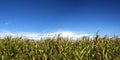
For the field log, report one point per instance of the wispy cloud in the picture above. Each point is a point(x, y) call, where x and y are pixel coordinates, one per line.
point(7, 23)
point(37, 36)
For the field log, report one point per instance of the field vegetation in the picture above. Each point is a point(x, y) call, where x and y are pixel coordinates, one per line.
point(59, 48)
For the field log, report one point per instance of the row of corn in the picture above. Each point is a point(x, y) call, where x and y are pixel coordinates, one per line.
point(59, 48)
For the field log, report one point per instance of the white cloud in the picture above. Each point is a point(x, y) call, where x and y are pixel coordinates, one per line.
point(37, 36)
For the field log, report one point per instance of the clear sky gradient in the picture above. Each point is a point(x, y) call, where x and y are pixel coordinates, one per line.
point(51, 15)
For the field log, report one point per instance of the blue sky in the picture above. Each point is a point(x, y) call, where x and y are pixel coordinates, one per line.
point(38, 16)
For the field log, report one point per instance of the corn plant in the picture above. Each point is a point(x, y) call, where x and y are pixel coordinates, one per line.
point(59, 48)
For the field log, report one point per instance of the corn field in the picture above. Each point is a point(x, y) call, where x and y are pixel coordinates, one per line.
point(59, 48)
